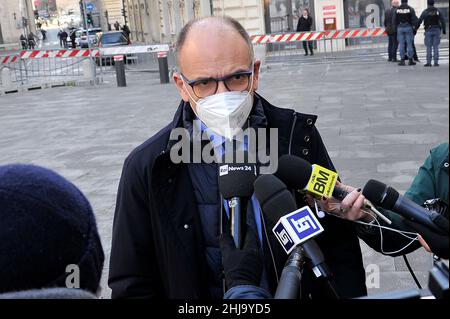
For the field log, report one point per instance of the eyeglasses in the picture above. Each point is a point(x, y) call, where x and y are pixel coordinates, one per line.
point(205, 87)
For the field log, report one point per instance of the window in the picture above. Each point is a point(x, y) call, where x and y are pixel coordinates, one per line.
point(112, 38)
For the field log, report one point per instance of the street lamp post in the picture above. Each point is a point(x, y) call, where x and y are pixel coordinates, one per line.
point(290, 16)
point(87, 35)
point(267, 16)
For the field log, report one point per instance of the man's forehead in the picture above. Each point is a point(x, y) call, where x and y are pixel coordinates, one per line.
point(208, 53)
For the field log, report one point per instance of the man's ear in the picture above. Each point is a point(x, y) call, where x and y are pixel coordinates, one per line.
point(180, 86)
point(256, 69)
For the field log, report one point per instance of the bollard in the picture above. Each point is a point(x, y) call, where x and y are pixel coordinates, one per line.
point(120, 71)
point(5, 77)
point(163, 67)
point(89, 71)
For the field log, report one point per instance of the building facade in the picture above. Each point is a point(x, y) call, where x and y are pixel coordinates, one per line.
point(159, 21)
point(16, 18)
point(113, 12)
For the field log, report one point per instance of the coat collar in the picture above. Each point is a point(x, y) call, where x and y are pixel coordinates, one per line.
point(264, 114)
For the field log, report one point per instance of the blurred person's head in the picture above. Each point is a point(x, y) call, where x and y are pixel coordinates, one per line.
point(395, 3)
point(404, 1)
point(48, 232)
point(306, 13)
point(430, 2)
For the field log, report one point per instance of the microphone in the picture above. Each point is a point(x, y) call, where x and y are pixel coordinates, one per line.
point(314, 179)
point(294, 229)
point(388, 198)
point(236, 186)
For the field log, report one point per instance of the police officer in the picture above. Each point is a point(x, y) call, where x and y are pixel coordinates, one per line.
point(434, 21)
point(404, 19)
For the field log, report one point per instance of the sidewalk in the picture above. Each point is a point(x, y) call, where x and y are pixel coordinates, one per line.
point(377, 120)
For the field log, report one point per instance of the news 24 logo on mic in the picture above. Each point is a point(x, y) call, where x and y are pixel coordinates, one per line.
point(223, 170)
point(296, 228)
point(322, 181)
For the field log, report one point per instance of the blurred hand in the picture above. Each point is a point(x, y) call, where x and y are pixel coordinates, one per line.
point(424, 244)
point(432, 241)
point(241, 266)
point(351, 207)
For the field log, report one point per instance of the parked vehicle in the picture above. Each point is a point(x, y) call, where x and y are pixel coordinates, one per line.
point(112, 39)
point(89, 35)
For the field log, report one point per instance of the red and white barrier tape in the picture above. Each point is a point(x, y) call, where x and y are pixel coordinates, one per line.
point(43, 54)
point(286, 37)
point(9, 59)
point(38, 54)
point(355, 33)
point(318, 35)
point(84, 53)
point(256, 39)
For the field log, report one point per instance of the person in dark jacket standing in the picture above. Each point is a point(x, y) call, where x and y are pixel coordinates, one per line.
point(405, 19)
point(305, 24)
point(434, 22)
point(391, 31)
point(117, 25)
point(168, 215)
point(60, 37)
point(126, 32)
point(73, 37)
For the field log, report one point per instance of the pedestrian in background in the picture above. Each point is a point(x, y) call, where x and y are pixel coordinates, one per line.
point(31, 41)
point(23, 42)
point(391, 31)
point(434, 22)
point(60, 37)
point(64, 37)
point(44, 34)
point(404, 20)
point(117, 25)
point(73, 36)
point(126, 32)
point(305, 24)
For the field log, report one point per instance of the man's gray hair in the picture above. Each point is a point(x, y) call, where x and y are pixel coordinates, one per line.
point(182, 36)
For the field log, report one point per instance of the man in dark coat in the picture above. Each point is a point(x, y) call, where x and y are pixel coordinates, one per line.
point(305, 24)
point(391, 31)
point(167, 222)
point(126, 32)
point(73, 37)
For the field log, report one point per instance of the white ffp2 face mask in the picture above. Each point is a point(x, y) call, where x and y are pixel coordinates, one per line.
point(225, 113)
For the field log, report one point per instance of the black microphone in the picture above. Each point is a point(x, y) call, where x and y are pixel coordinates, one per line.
point(299, 174)
point(236, 186)
point(276, 202)
point(296, 173)
point(388, 198)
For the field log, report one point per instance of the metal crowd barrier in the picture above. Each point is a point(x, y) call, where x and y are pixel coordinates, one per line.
point(11, 70)
point(30, 67)
point(45, 66)
point(140, 58)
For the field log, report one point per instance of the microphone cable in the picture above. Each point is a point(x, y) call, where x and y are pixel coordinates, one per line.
point(413, 275)
point(380, 227)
